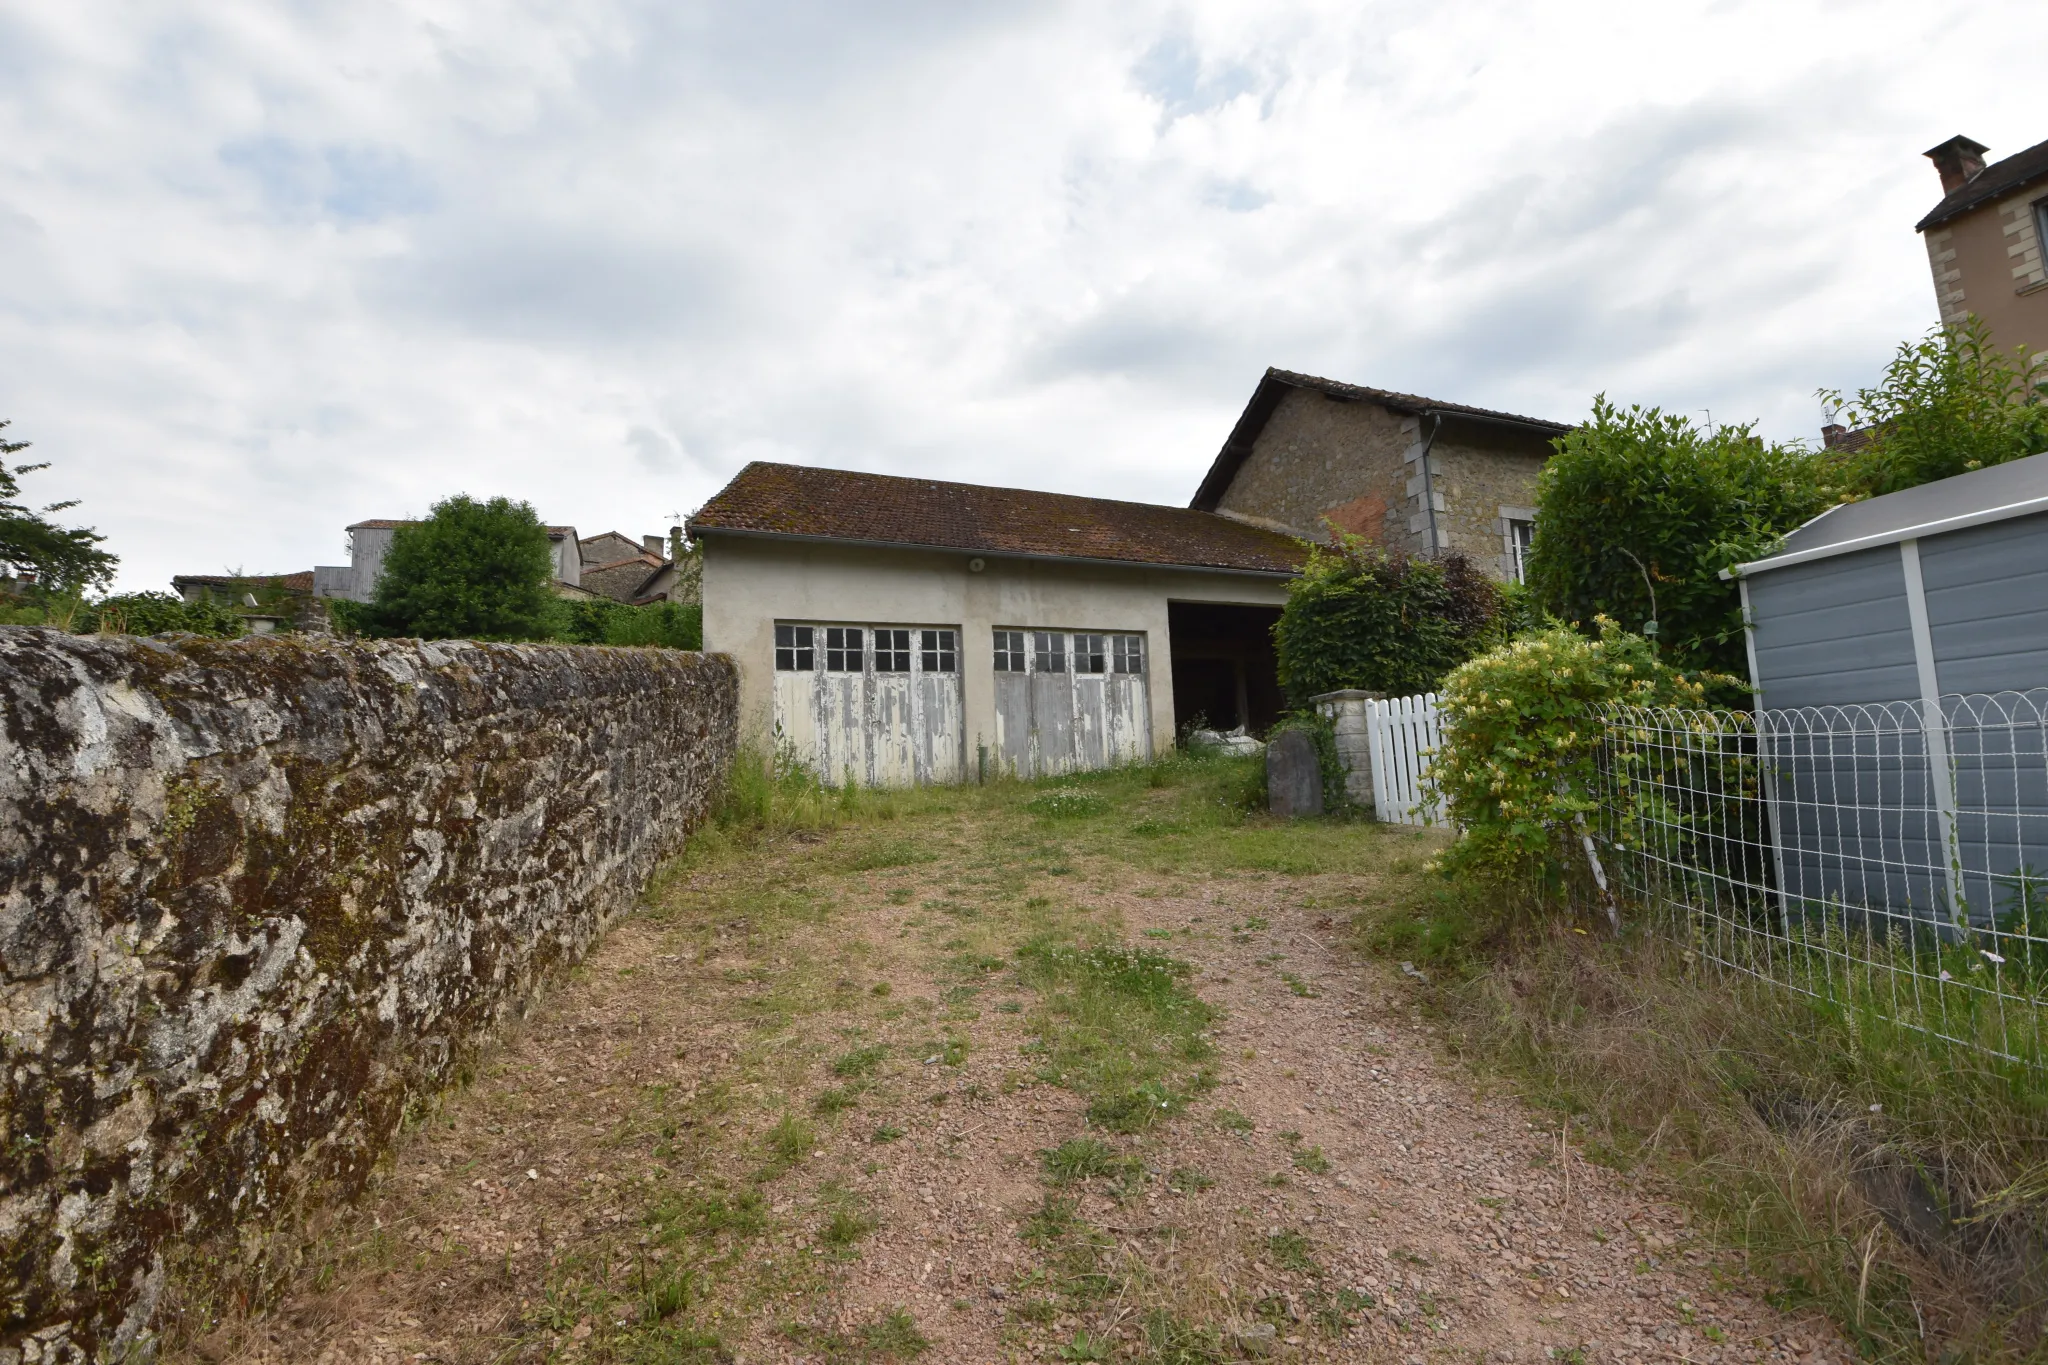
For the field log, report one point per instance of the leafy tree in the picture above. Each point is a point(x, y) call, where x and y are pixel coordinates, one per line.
point(1640, 510)
point(472, 570)
point(63, 559)
point(1949, 403)
point(1362, 616)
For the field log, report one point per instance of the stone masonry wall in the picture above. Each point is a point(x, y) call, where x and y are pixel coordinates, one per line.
point(257, 896)
point(1323, 461)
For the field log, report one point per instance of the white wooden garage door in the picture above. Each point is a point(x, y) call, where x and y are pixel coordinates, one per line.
point(1069, 700)
point(876, 705)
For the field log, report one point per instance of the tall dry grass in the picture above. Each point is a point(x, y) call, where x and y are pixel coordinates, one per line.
point(1898, 1183)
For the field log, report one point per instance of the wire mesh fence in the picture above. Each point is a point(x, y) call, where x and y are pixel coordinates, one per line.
point(1889, 859)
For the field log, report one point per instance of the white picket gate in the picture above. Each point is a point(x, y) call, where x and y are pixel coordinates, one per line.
point(1403, 734)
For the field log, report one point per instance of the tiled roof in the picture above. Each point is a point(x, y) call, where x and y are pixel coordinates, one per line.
point(2000, 177)
point(879, 509)
point(1274, 386)
point(290, 582)
point(622, 579)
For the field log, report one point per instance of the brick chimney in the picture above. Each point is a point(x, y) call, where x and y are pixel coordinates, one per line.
point(1959, 160)
point(1831, 435)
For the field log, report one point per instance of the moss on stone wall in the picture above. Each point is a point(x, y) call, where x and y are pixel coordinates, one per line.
point(257, 897)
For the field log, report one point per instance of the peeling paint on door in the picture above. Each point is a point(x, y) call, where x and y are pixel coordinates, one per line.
point(876, 706)
point(1070, 700)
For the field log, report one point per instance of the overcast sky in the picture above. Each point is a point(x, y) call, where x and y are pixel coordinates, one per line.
point(270, 268)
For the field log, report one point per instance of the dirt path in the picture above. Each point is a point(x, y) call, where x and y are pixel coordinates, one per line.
point(802, 1110)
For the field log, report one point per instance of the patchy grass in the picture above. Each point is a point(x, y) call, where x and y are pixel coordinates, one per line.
point(1120, 1026)
point(763, 1052)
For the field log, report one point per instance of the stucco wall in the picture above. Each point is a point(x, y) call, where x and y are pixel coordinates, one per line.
point(1323, 461)
point(256, 896)
point(752, 582)
point(1991, 262)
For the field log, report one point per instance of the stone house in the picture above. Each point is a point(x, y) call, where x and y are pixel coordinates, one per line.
point(640, 573)
point(1986, 241)
point(370, 541)
point(1312, 457)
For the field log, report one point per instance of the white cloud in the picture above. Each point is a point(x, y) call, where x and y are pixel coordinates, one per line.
point(270, 269)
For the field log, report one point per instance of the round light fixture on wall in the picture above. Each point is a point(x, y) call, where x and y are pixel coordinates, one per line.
point(976, 565)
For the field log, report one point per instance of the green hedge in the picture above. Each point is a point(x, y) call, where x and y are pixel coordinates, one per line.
point(1366, 617)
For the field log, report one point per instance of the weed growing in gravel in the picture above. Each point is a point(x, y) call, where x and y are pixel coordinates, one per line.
point(888, 1340)
point(1171, 1339)
point(828, 1104)
point(1230, 1121)
point(1312, 1160)
point(704, 1215)
point(1298, 986)
point(1082, 1159)
point(670, 1295)
point(1086, 1347)
point(669, 1345)
point(862, 1061)
point(846, 1226)
point(885, 1133)
point(1290, 1251)
point(1187, 1180)
point(787, 1144)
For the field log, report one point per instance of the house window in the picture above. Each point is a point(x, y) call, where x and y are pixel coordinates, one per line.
point(794, 651)
point(940, 655)
point(1009, 651)
point(1128, 653)
point(1050, 647)
point(842, 649)
point(1521, 535)
point(1089, 656)
point(2041, 233)
point(892, 651)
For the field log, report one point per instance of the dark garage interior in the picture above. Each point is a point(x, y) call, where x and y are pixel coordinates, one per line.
point(1224, 669)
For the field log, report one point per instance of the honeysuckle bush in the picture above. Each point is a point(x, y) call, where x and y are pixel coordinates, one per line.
point(1522, 735)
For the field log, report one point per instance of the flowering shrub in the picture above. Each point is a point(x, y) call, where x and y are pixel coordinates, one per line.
point(1522, 732)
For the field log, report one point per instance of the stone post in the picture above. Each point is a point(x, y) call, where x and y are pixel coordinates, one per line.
point(1294, 776)
point(1346, 713)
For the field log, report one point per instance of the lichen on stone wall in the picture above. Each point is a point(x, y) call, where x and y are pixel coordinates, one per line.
point(257, 896)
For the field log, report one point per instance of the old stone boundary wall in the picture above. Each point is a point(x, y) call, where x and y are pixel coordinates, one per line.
point(258, 896)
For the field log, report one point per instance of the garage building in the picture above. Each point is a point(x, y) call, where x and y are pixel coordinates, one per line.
point(896, 631)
